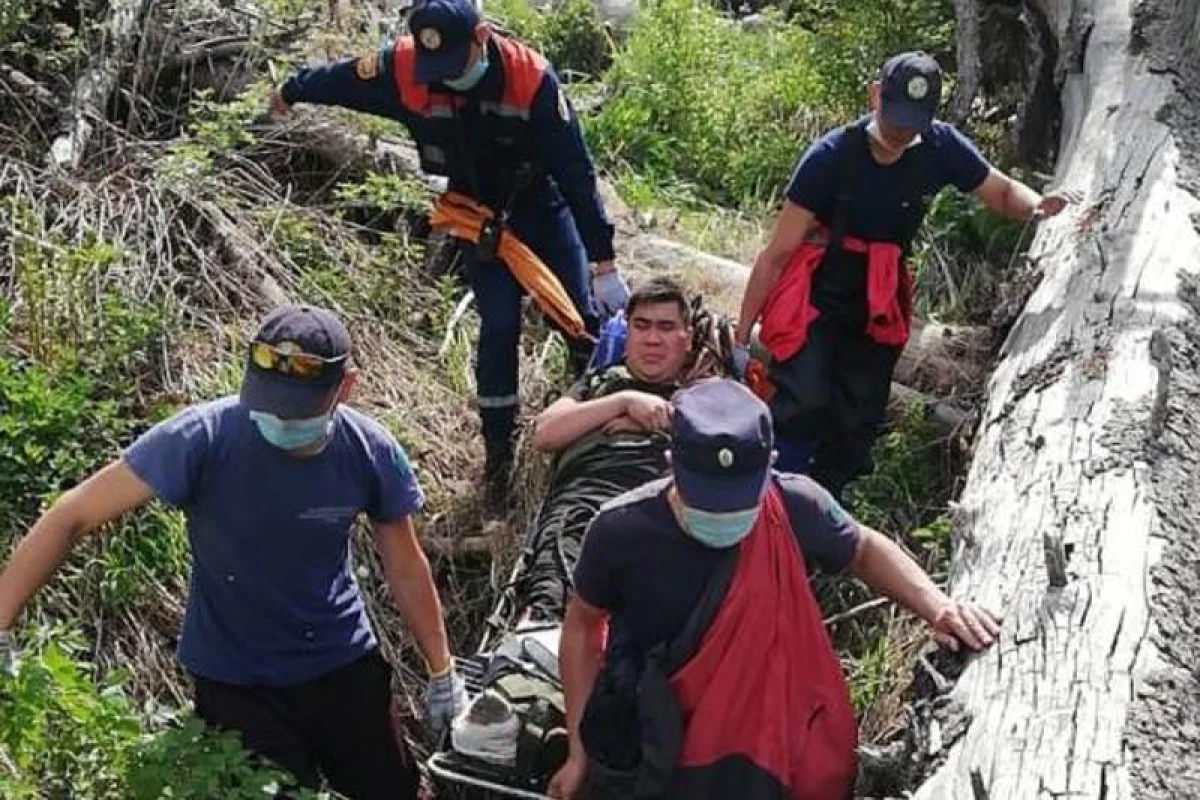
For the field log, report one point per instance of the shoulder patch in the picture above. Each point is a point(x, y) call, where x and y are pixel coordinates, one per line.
point(836, 514)
point(564, 109)
point(400, 459)
point(368, 65)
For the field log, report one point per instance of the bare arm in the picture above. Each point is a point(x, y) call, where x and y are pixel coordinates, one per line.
point(580, 651)
point(103, 497)
point(567, 420)
point(791, 226)
point(881, 564)
point(410, 580)
point(1007, 196)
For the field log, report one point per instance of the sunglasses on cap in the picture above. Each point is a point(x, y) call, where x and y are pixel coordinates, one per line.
point(298, 364)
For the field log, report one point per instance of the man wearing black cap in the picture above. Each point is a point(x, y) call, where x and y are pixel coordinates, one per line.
point(702, 580)
point(489, 113)
point(276, 633)
point(831, 287)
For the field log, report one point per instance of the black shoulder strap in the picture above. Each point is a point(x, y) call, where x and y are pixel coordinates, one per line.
point(849, 155)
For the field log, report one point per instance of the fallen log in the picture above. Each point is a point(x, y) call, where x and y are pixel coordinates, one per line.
point(942, 360)
point(1078, 516)
point(947, 419)
point(945, 360)
point(97, 83)
point(348, 150)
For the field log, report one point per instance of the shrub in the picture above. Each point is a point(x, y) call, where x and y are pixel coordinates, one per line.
point(65, 734)
point(696, 97)
point(571, 35)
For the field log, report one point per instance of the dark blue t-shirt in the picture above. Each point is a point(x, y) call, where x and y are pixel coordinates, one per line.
point(273, 600)
point(880, 193)
point(641, 567)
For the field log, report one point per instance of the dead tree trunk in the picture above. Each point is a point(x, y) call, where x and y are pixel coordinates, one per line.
point(1078, 517)
point(97, 82)
point(966, 40)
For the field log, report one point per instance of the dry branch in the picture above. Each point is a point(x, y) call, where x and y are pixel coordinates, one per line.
point(97, 83)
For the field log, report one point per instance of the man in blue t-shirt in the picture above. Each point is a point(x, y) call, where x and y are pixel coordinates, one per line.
point(276, 634)
point(835, 264)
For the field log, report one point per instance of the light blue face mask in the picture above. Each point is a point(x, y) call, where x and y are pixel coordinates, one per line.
point(472, 76)
point(292, 434)
point(718, 530)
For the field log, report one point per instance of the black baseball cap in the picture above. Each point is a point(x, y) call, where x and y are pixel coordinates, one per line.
point(297, 329)
point(911, 90)
point(443, 31)
point(721, 443)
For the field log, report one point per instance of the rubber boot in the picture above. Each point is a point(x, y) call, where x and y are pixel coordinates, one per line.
point(499, 427)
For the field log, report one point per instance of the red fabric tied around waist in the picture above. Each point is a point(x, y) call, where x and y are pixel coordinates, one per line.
point(765, 683)
point(789, 311)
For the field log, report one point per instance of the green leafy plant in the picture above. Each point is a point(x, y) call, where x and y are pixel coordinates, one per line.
point(695, 97)
point(52, 433)
point(387, 191)
point(906, 488)
point(570, 34)
point(63, 735)
point(66, 733)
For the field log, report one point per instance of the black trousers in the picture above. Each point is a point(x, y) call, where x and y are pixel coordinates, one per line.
point(831, 400)
point(339, 726)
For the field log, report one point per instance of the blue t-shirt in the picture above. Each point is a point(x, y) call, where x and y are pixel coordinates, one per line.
point(648, 573)
point(273, 600)
point(881, 193)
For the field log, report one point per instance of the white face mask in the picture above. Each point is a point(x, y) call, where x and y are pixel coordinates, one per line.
point(873, 132)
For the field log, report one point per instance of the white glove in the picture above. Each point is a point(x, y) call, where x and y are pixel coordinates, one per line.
point(610, 292)
point(445, 698)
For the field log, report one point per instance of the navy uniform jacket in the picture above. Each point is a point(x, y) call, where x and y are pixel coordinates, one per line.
point(518, 113)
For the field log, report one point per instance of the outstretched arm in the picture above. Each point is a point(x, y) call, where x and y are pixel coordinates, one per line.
point(104, 496)
point(362, 84)
point(1011, 198)
point(881, 564)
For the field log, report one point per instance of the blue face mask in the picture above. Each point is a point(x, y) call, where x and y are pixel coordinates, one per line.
point(472, 76)
point(292, 434)
point(718, 530)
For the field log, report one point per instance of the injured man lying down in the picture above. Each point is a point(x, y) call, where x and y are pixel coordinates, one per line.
point(608, 435)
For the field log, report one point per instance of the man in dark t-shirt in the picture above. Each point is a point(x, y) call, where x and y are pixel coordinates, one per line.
point(831, 287)
point(276, 634)
point(648, 557)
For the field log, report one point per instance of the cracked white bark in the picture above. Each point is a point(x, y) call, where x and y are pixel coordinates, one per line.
point(97, 82)
point(1074, 405)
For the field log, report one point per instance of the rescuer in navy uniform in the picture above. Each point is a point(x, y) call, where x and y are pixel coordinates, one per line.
point(489, 114)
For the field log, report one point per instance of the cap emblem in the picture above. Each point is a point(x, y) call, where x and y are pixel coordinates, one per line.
point(917, 87)
point(430, 38)
point(725, 457)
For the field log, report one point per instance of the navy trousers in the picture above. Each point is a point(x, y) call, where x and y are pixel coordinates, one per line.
point(551, 233)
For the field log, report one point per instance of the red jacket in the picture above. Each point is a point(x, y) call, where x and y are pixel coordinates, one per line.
point(789, 310)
